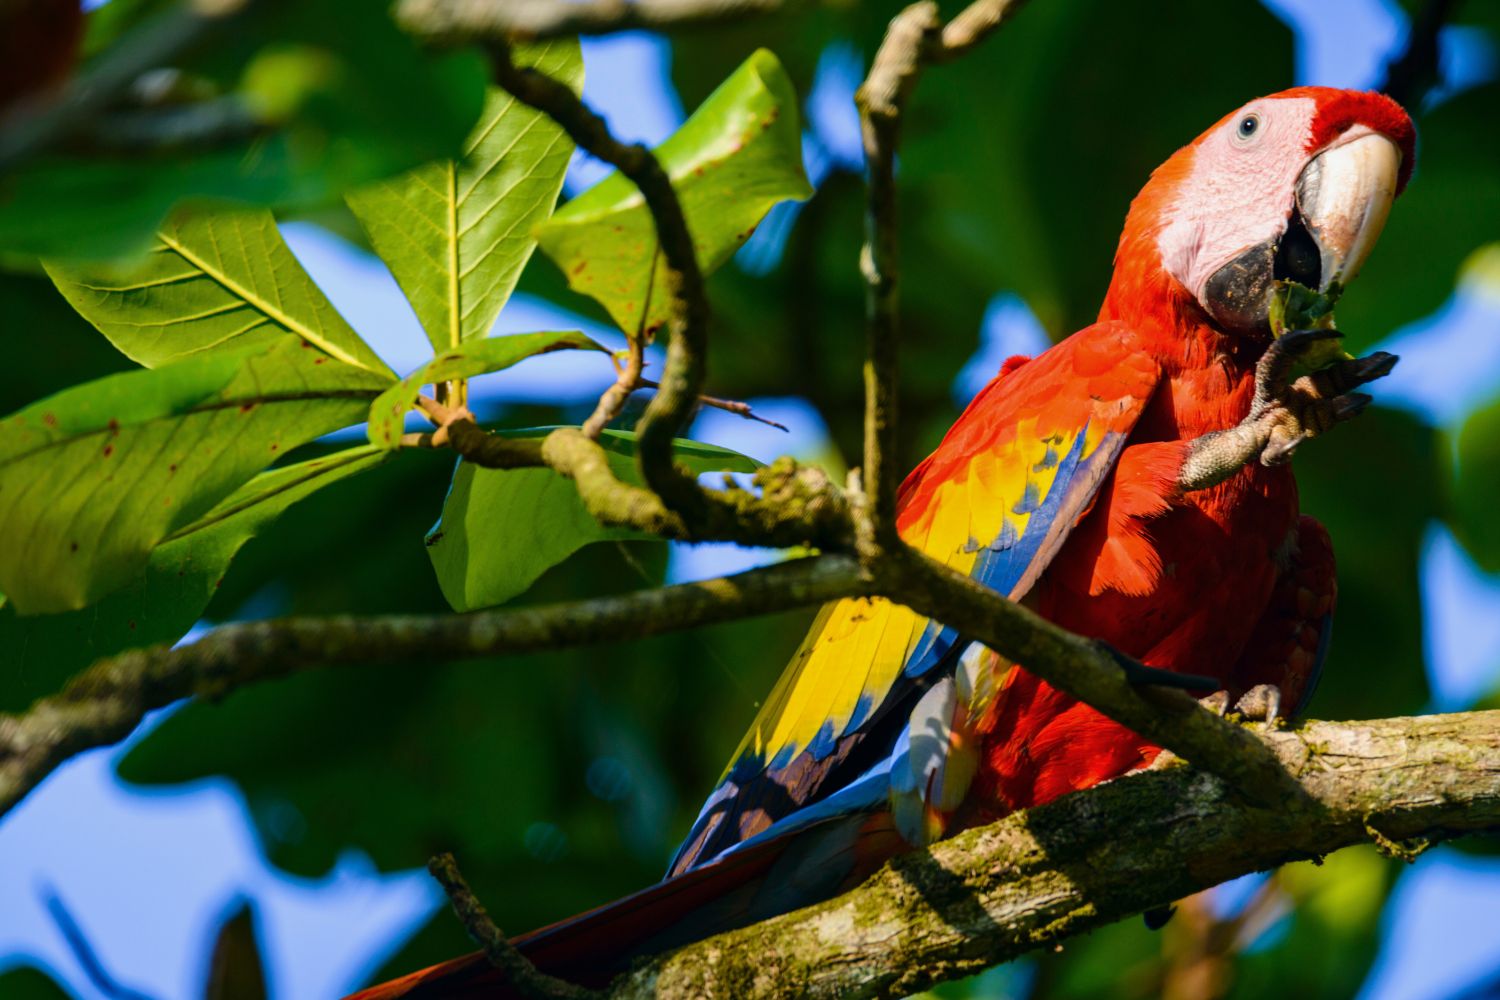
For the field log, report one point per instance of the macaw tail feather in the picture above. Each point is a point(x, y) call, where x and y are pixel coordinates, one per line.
point(740, 888)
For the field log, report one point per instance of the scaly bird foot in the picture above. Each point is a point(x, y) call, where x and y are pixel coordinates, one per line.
point(1261, 703)
point(1290, 412)
point(1217, 703)
point(1285, 412)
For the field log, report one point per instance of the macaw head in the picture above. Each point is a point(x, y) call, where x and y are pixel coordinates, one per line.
point(1295, 186)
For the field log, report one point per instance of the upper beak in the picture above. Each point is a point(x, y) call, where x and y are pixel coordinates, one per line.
point(1343, 197)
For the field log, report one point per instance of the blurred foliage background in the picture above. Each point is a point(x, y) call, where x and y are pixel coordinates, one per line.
point(564, 780)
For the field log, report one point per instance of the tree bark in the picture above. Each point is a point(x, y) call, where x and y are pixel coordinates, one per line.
point(1095, 857)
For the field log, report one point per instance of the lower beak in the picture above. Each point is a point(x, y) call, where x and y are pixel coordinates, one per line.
point(1343, 198)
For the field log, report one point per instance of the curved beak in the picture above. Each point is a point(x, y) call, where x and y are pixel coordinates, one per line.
point(1344, 196)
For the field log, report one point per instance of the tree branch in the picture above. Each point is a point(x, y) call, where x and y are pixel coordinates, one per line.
point(881, 99)
point(519, 973)
point(457, 21)
point(106, 702)
point(798, 506)
point(682, 379)
point(916, 36)
point(1088, 859)
point(1089, 671)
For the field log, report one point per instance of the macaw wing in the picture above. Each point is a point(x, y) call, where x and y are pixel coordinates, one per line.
point(995, 500)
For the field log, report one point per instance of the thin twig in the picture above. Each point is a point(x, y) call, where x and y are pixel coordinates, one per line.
point(881, 99)
point(916, 36)
point(682, 380)
point(973, 25)
point(738, 408)
point(517, 971)
point(627, 380)
point(457, 21)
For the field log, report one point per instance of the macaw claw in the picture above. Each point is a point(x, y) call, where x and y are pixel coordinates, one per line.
point(1261, 703)
point(1138, 673)
point(1287, 411)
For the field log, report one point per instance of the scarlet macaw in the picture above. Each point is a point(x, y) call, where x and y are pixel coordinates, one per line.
point(1130, 483)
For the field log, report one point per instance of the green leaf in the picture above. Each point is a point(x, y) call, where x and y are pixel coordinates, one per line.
point(162, 603)
point(501, 529)
point(92, 478)
point(214, 280)
point(388, 412)
point(457, 234)
point(739, 154)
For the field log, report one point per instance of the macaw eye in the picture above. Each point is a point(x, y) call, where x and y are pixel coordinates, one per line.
point(1248, 126)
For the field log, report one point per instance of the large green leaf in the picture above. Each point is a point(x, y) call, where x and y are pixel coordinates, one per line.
point(388, 413)
point(501, 529)
point(92, 478)
point(739, 154)
point(456, 234)
point(162, 603)
point(214, 280)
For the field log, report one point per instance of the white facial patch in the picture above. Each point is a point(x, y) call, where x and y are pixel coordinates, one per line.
point(1239, 191)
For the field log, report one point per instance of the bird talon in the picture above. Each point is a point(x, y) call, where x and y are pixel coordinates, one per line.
point(1138, 673)
point(1217, 703)
point(1262, 703)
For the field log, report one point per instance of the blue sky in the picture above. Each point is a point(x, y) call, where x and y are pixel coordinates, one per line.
point(147, 874)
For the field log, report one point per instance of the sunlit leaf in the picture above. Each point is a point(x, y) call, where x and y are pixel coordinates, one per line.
point(213, 281)
point(501, 529)
point(92, 478)
point(162, 603)
point(476, 358)
point(457, 234)
point(739, 154)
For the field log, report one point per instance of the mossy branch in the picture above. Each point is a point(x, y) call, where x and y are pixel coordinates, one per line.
point(797, 506)
point(682, 377)
point(108, 700)
point(1041, 876)
point(457, 21)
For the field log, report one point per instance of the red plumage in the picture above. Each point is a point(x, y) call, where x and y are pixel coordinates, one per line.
point(1227, 581)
